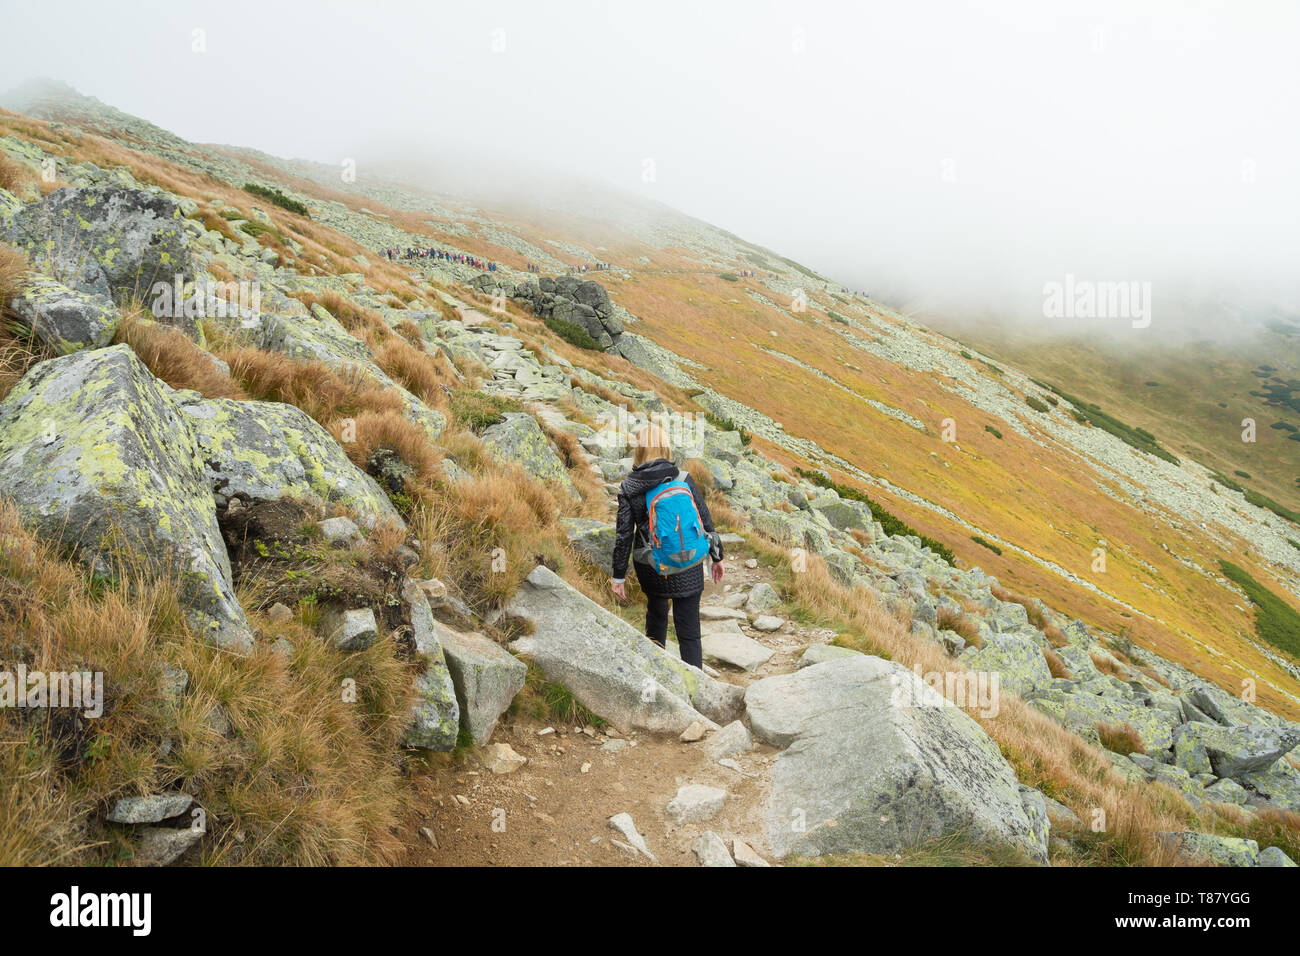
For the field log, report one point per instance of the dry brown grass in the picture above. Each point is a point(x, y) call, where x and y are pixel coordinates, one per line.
point(387, 430)
point(425, 375)
point(1121, 739)
point(320, 391)
point(603, 393)
point(1036, 616)
point(1108, 666)
point(1056, 666)
point(1055, 636)
point(304, 779)
point(357, 319)
point(13, 176)
point(494, 530)
point(590, 488)
point(170, 355)
point(950, 619)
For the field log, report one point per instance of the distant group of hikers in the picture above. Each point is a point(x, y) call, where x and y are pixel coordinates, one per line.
point(585, 267)
point(413, 252)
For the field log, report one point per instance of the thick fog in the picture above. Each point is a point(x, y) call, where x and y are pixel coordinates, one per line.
point(957, 157)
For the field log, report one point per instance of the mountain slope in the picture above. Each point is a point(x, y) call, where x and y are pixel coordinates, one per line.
point(812, 376)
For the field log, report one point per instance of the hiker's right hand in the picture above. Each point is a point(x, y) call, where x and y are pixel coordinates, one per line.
point(620, 589)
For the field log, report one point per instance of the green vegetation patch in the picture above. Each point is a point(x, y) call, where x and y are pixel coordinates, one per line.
point(280, 199)
point(1138, 438)
point(1276, 622)
point(573, 333)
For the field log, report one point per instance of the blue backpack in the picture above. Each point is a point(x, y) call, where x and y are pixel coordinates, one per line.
point(678, 540)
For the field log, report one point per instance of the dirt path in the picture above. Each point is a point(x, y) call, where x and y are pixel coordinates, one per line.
point(551, 812)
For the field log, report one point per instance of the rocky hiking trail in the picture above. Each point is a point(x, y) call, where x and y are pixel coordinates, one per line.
point(557, 806)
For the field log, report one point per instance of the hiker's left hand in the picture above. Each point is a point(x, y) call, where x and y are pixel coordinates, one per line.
point(717, 572)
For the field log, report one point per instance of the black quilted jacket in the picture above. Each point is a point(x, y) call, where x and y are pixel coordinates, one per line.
point(632, 531)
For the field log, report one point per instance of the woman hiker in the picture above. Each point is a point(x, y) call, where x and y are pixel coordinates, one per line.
point(651, 468)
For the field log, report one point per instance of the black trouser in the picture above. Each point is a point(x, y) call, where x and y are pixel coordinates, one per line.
point(686, 620)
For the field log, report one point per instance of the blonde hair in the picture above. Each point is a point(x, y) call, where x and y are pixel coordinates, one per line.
point(649, 443)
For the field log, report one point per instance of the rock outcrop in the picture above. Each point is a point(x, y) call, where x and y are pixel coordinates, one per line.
point(609, 666)
point(96, 454)
point(107, 240)
point(874, 761)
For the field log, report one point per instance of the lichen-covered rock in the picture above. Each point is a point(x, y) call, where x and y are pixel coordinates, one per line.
point(592, 539)
point(95, 454)
point(9, 208)
point(1017, 660)
point(486, 678)
point(1274, 856)
point(63, 318)
point(270, 450)
point(1081, 712)
point(845, 514)
point(1221, 850)
point(875, 760)
point(519, 438)
point(820, 653)
point(1278, 784)
point(108, 240)
point(1232, 751)
point(609, 666)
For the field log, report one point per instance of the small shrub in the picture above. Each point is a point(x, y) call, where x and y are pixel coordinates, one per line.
point(573, 333)
point(280, 199)
point(986, 544)
point(1036, 403)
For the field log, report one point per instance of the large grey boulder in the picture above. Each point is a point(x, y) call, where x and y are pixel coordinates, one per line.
point(95, 453)
point(1226, 709)
point(487, 678)
point(519, 438)
point(1232, 751)
point(107, 240)
point(610, 667)
point(64, 319)
point(845, 514)
point(1278, 785)
point(270, 450)
point(875, 760)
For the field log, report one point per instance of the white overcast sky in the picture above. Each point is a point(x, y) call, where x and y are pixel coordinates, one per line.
point(961, 154)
